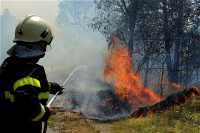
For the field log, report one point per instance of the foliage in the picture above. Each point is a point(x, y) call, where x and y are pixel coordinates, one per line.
point(160, 35)
point(75, 13)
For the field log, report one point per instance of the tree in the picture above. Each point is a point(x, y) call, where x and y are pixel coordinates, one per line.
point(176, 36)
point(155, 31)
point(75, 13)
point(117, 18)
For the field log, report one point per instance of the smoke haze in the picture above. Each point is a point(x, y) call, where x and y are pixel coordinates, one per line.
point(73, 44)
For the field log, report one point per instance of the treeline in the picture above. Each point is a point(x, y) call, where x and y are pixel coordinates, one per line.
point(161, 35)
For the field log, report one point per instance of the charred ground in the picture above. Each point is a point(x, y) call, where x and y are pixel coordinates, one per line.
point(183, 117)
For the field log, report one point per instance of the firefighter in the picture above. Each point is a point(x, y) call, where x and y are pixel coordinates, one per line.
point(24, 89)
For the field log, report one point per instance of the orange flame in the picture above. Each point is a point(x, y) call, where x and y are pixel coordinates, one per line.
point(62, 102)
point(128, 86)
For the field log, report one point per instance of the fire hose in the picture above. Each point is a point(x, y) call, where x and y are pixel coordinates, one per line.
point(54, 97)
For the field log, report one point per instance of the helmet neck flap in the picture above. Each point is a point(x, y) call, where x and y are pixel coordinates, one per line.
point(22, 50)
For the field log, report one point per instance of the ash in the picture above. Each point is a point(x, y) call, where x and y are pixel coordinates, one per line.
point(96, 99)
point(93, 98)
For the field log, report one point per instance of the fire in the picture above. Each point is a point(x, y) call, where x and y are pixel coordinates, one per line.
point(170, 102)
point(176, 85)
point(127, 85)
point(62, 102)
point(71, 100)
point(173, 87)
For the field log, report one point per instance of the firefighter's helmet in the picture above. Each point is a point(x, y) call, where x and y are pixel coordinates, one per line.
point(33, 29)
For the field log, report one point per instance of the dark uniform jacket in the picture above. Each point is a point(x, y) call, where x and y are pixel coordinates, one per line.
point(24, 91)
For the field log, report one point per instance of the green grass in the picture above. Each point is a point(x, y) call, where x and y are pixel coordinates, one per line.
point(180, 119)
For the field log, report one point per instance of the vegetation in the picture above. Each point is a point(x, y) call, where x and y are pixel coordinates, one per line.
point(184, 119)
point(160, 35)
point(164, 48)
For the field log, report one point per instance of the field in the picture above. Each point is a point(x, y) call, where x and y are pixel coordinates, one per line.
point(184, 118)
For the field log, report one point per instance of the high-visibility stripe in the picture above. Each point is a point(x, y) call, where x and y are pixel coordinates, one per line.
point(10, 96)
point(43, 95)
point(49, 86)
point(42, 112)
point(27, 81)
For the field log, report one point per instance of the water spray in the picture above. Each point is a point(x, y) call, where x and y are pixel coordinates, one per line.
point(54, 97)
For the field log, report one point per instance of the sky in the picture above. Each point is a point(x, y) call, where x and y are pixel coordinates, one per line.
point(72, 45)
point(19, 9)
point(47, 9)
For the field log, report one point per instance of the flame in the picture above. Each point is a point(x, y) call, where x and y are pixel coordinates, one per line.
point(150, 113)
point(176, 85)
point(62, 102)
point(127, 85)
point(71, 100)
point(171, 101)
point(112, 106)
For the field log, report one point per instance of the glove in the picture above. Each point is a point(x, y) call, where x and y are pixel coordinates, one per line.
point(55, 88)
point(47, 114)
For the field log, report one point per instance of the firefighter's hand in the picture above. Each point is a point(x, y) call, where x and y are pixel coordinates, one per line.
point(55, 88)
point(50, 109)
point(61, 91)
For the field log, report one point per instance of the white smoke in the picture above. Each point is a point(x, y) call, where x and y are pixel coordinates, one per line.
point(92, 97)
point(73, 45)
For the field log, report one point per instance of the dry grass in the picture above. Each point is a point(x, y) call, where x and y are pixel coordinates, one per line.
point(68, 122)
point(181, 119)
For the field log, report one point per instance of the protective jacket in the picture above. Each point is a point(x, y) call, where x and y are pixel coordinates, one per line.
point(24, 91)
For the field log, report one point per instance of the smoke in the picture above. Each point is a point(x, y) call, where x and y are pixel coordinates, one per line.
point(92, 97)
point(8, 23)
point(74, 45)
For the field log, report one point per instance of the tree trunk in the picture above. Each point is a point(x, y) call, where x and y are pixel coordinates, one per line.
point(172, 76)
point(146, 74)
point(161, 80)
point(132, 20)
point(167, 43)
point(178, 42)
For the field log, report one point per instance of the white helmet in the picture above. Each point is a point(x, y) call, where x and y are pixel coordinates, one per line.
point(33, 29)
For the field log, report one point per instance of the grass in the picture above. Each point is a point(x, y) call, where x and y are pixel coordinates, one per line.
point(181, 119)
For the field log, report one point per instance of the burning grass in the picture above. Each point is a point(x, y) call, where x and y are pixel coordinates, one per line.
point(170, 102)
point(123, 95)
point(183, 118)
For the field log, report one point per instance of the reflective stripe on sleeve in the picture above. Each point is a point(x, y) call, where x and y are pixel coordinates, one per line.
point(49, 86)
point(42, 112)
point(26, 81)
point(10, 96)
point(43, 95)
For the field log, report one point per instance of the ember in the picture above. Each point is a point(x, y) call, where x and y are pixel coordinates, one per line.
point(169, 102)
